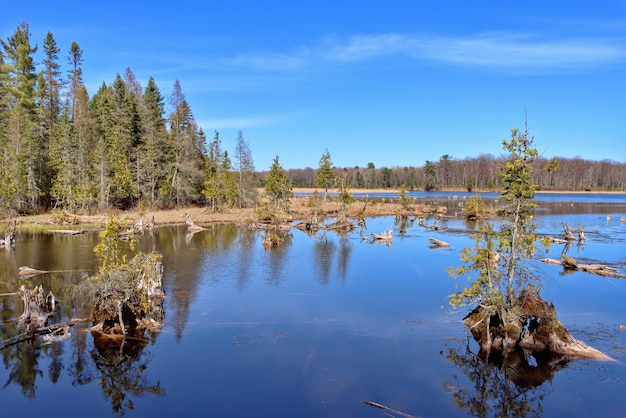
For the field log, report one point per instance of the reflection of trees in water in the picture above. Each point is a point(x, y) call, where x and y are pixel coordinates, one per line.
point(22, 361)
point(277, 258)
point(323, 256)
point(325, 249)
point(245, 256)
point(345, 250)
point(120, 370)
point(511, 387)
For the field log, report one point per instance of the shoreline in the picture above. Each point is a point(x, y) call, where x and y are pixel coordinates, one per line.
point(335, 190)
point(299, 210)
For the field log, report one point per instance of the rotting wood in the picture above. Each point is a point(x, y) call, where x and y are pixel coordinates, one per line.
point(191, 224)
point(535, 329)
point(569, 235)
point(25, 272)
point(10, 294)
point(386, 237)
point(9, 238)
point(435, 243)
point(570, 263)
point(55, 329)
point(554, 240)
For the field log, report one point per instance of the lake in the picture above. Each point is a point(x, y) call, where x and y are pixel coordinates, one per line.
point(317, 326)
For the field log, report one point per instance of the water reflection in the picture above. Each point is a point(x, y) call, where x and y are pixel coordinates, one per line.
point(120, 369)
point(514, 387)
point(334, 321)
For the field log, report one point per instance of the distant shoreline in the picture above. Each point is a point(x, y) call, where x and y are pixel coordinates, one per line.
point(312, 189)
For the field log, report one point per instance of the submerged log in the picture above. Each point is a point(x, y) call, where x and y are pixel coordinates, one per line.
point(26, 272)
point(435, 243)
point(571, 264)
point(50, 333)
point(69, 232)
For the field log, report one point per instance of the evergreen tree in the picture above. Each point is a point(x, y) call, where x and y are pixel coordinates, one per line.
point(499, 258)
point(100, 110)
point(430, 171)
point(154, 150)
point(22, 154)
point(188, 148)
point(325, 174)
point(213, 164)
point(247, 186)
point(51, 103)
point(228, 181)
point(72, 140)
point(278, 188)
point(122, 141)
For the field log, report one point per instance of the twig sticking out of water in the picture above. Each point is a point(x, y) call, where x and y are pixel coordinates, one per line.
point(387, 409)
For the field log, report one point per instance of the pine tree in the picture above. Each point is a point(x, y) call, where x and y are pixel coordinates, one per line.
point(212, 178)
point(278, 188)
point(154, 151)
point(247, 187)
point(499, 257)
point(122, 141)
point(22, 150)
point(325, 174)
point(189, 153)
point(72, 140)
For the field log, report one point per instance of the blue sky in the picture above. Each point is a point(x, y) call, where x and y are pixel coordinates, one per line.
point(395, 83)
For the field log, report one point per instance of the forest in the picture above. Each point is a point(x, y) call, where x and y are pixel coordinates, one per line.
point(123, 147)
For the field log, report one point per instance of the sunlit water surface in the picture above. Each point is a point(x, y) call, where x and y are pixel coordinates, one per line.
point(316, 327)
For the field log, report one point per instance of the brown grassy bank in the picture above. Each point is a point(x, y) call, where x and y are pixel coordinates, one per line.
point(299, 209)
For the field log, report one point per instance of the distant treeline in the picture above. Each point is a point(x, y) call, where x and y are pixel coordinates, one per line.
point(480, 173)
point(120, 148)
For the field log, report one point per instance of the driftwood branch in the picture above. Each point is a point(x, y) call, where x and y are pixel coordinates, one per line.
point(27, 272)
point(384, 237)
point(435, 243)
point(56, 330)
point(387, 409)
point(569, 263)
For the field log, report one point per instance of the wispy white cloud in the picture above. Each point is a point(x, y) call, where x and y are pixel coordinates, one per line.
point(521, 52)
point(272, 61)
point(492, 50)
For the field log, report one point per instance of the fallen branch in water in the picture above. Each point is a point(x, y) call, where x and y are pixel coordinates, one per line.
point(54, 329)
point(384, 237)
point(569, 263)
point(26, 272)
point(10, 294)
point(386, 408)
point(435, 243)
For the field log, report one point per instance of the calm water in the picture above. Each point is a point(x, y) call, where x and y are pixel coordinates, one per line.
point(315, 327)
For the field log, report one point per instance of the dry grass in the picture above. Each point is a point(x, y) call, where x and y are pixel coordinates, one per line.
point(299, 210)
